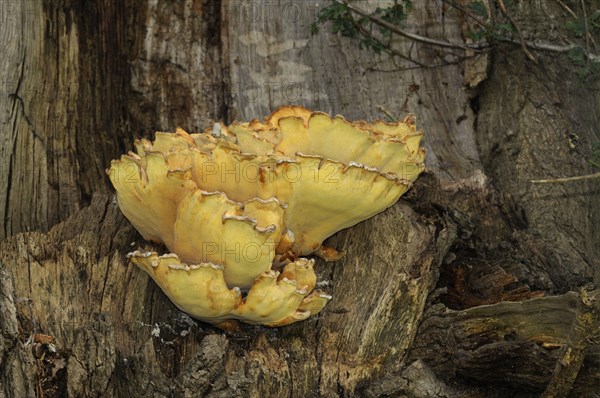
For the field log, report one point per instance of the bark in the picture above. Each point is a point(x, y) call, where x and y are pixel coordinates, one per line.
point(64, 83)
point(549, 134)
point(469, 286)
point(82, 322)
point(111, 327)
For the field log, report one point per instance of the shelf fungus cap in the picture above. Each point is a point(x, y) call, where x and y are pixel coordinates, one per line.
point(342, 172)
point(211, 227)
point(237, 205)
point(149, 193)
point(200, 290)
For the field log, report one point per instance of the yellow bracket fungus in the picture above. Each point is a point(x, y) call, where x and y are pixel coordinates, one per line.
point(238, 205)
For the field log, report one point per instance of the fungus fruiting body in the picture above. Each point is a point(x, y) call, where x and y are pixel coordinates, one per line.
point(237, 206)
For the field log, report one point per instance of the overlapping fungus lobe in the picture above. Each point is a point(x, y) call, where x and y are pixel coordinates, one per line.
point(239, 205)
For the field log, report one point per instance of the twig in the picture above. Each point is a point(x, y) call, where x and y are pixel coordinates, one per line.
point(566, 7)
point(387, 113)
point(408, 35)
point(468, 47)
point(572, 13)
point(587, 32)
point(551, 47)
point(387, 48)
point(466, 12)
point(514, 24)
point(430, 66)
point(567, 179)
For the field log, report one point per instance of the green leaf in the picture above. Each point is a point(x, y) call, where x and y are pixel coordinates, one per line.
point(594, 16)
point(476, 35)
point(594, 21)
point(314, 28)
point(577, 55)
point(504, 27)
point(577, 27)
point(501, 30)
point(479, 9)
point(394, 14)
point(385, 32)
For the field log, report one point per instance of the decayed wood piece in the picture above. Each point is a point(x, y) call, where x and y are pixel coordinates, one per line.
point(490, 264)
point(85, 322)
point(16, 363)
point(511, 346)
point(583, 339)
point(112, 328)
point(514, 343)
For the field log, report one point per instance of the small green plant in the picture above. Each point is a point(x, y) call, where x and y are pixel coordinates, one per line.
point(479, 9)
point(580, 26)
point(342, 19)
point(374, 30)
point(371, 36)
point(584, 30)
point(586, 68)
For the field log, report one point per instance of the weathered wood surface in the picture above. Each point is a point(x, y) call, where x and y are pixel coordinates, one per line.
point(78, 320)
point(544, 127)
point(185, 63)
point(82, 79)
point(86, 78)
point(113, 328)
point(509, 343)
point(276, 61)
point(64, 81)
